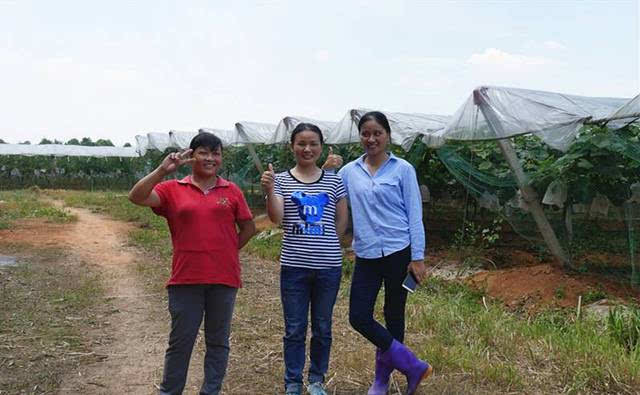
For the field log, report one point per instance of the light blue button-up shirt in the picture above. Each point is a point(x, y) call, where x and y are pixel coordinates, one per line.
point(386, 208)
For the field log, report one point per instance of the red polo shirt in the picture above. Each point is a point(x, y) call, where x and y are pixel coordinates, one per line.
point(203, 230)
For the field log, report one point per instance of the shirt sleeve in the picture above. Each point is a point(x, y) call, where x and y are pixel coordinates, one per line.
point(243, 212)
point(277, 186)
point(162, 190)
point(413, 204)
point(340, 190)
point(343, 176)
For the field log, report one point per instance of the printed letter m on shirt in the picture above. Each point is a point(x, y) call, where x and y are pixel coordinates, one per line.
point(310, 210)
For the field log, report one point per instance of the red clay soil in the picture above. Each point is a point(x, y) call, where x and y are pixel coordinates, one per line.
point(541, 285)
point(262, 222)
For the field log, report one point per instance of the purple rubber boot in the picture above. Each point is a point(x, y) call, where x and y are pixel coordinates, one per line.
point(405, 361)
point(380, 384)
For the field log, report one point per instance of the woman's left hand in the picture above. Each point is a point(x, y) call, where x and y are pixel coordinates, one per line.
point(419, 270)
point(333, 161)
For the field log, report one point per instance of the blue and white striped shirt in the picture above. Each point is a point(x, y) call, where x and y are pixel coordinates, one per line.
point(386, 208)
point(309, 223)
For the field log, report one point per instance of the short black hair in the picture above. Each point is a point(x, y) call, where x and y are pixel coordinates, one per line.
point(207, 140)
point(304, 126)
point(377, 116)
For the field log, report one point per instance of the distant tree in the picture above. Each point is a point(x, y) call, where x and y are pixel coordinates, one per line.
point(104, 143)
point(26, 142)
point(73, 142)
point(125, 144)
point(45, 141)
point(56, 141)
point(2, 141)
point(87, 141)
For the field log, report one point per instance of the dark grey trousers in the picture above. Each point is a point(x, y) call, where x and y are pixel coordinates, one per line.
point(187, 305)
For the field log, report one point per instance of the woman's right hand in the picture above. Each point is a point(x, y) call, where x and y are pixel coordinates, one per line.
point(176, 159)
point(268, 180)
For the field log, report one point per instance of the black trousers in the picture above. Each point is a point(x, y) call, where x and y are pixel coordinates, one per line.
point(368, 277)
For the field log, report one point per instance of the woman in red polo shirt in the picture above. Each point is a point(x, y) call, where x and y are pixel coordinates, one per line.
point(202, 211)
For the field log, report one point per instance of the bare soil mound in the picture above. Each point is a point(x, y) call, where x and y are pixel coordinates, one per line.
point(543, 285)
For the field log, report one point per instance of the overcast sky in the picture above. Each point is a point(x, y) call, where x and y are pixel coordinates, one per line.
point(114, 69)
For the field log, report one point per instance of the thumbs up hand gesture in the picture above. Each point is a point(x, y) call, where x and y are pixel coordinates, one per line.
point(334, 161)
point(267, 180)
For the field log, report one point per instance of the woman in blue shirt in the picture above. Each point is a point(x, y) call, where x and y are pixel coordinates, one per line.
point(389, 241)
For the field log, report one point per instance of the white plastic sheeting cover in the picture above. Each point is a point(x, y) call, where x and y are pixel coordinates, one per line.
point(182, 140)
point(404, 127)
point(66, 150)
point(152, 141)
point(255, 132)
point(159, 141)
point(404, 130)
point(556, 117)
point(628, 113)
point(228, 137)
point(142, 144)
point(287, 124)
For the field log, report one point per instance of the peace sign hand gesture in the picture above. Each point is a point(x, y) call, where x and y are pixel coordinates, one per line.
point(175, 160)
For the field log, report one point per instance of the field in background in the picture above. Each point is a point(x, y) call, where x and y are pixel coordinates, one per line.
point(476, 338)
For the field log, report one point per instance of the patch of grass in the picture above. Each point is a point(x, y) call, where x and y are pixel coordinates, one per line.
point(266, 245)
point(116, 204)
point(502, 351)
point(46, 310)
point(593, 295)
point(24, 204)
point(348, 265)
point(560, 293)
point(624, 328)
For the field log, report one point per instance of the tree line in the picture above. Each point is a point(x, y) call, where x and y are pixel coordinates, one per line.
point(85, 141)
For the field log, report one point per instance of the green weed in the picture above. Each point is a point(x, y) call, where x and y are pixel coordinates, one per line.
point(593, 295)
point(624, 328)
point(25, 204)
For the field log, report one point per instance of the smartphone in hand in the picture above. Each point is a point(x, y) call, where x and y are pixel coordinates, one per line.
point(410, 283)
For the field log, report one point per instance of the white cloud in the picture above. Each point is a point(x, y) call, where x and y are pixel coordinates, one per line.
point(550, 44)
point(493, 57)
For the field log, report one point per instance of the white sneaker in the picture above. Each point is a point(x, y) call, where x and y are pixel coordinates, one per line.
point(316, 388)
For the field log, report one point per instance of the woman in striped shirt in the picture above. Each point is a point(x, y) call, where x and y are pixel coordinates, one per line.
point(311, 207)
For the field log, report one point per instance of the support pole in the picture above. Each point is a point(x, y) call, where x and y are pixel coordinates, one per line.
point(528, 193)
point(252, 151)
point(604, 121)
point(256, 160)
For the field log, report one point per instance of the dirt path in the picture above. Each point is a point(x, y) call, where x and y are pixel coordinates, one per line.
point(130, 344)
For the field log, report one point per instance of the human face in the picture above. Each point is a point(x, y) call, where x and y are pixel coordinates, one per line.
point(207, 161)
point(306, 148)
point(374, 138)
